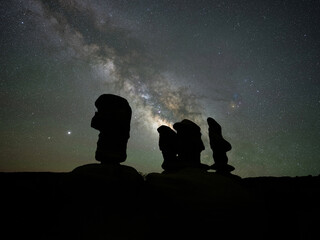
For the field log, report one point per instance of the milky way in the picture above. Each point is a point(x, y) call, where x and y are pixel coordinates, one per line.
point(253, 66)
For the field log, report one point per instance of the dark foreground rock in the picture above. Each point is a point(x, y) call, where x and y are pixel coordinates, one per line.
point(114, 202)
point(199, 204)
point(102, 201)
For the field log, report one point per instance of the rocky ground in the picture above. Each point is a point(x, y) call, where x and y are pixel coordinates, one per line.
point(115, 202)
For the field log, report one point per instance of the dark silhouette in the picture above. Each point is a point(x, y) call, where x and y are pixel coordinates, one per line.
point(169, 148)
point(189, 143)
point(113, 121)
point(219, 147)
point(45, 205)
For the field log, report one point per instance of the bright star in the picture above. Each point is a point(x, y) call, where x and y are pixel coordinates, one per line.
point(69, 132)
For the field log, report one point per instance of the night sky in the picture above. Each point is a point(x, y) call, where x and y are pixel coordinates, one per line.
point(254, 66)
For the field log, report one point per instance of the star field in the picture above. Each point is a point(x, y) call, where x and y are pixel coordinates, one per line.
point(254, 66)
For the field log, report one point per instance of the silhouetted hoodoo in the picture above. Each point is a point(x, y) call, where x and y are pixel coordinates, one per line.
point(182, 148)
point(168, 147)
point(219, 147)
point(113, 121)
point(189, 142)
